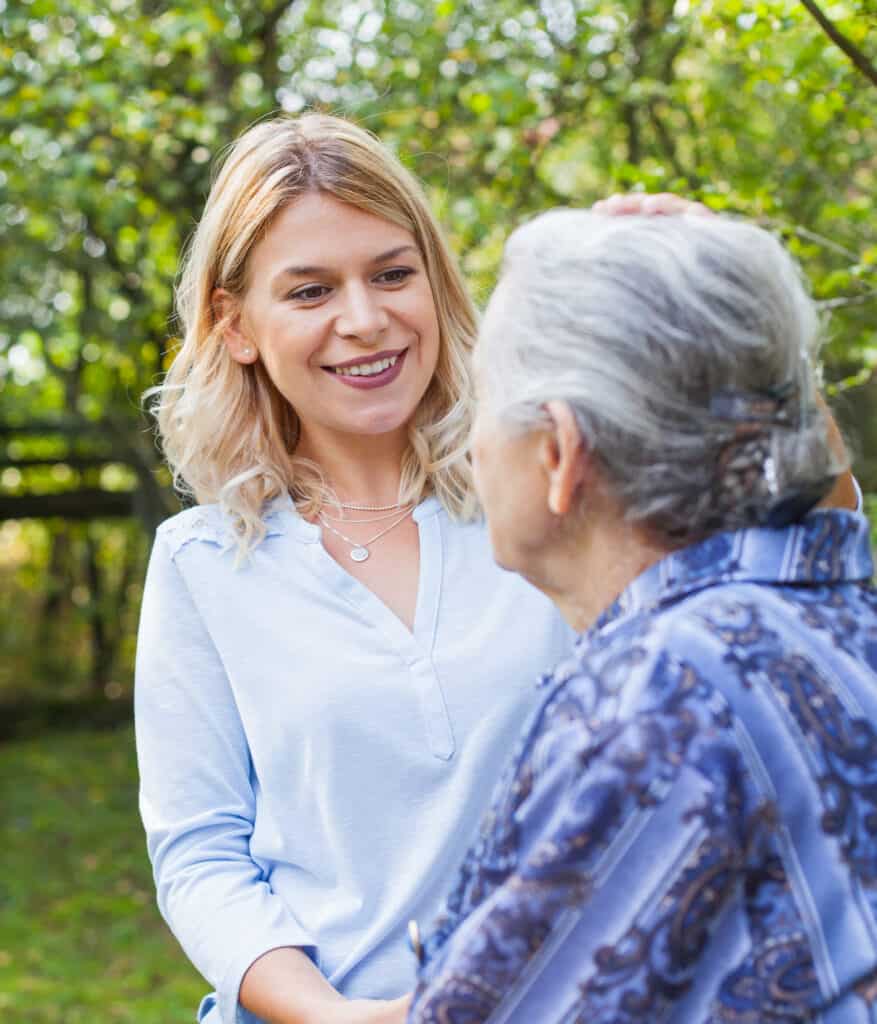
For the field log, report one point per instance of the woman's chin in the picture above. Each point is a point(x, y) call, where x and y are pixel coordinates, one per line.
point(378, 426)
point(384, 426)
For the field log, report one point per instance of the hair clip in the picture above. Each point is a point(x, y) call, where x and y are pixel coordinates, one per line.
point(766, 406)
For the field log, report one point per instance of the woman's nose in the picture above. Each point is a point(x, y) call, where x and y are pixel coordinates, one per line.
point(363, 316)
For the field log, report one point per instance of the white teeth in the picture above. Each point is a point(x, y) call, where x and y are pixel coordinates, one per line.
point(367, 369)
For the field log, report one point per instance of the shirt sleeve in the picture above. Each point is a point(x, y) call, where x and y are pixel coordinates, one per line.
point(624, 851)
point(860, 500)
point(196, 795)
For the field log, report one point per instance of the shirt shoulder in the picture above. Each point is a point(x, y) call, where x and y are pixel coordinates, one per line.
point(213, 525)
point(706, 622)
point(204, 523)
point(652, 674)
point(739, 616)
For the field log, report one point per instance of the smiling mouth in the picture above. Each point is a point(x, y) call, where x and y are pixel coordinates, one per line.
point(368, 368)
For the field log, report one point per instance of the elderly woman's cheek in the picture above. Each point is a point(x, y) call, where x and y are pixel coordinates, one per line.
point(514, 500)
point(481, 441)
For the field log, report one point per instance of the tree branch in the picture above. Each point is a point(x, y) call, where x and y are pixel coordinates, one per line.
point(842, 42)
point(271, 44)
point(812, 236)
point(667, 144)
point(88, 503)
point(71, 426)
point(77, 462)
point(847, 300)
point(634, 150)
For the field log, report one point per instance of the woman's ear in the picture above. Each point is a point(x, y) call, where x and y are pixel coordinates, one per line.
point(226, 307)
point(564, 457)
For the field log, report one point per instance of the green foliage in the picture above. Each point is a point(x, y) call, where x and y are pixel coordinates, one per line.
point(80, 940)
point(69, 600)
point(871, 512)
point(112, 117)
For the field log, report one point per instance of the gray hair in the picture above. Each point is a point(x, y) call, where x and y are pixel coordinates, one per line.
point(685, 346)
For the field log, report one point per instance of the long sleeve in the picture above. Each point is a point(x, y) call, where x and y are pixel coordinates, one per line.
point(603, 870)
point(197, 798)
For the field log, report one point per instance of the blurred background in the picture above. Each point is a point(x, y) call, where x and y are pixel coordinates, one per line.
point(112, 118)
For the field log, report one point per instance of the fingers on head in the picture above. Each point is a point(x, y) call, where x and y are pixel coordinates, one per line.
point(654, 204)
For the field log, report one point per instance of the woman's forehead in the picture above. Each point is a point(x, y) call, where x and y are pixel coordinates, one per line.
point(319, 231)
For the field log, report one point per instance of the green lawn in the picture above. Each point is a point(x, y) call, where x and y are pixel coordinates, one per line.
point(80, 938)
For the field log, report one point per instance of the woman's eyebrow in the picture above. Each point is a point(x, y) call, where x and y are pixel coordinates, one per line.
point(391, 254)
point(305, 270)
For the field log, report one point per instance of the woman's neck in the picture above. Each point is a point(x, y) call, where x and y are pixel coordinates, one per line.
point(362, 469)
point(585, 572)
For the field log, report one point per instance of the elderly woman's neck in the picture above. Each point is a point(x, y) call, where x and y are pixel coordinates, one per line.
point(590, 568)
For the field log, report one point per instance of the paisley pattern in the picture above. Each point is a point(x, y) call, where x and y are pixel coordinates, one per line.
point(844, 744)
point(688, 828)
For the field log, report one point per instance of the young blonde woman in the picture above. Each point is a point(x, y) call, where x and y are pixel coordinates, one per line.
point(331, 668)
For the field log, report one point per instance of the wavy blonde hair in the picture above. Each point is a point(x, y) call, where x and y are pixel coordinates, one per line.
point(227, 433)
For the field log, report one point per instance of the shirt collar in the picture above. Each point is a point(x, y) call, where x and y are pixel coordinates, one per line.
point(829, 546)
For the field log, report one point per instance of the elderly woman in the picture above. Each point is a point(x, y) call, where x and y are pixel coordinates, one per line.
point(688, 829)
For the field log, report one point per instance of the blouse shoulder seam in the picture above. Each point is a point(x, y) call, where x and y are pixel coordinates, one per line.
point(201, 522)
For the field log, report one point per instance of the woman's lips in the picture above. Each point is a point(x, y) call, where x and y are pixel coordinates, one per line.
point(375, 380)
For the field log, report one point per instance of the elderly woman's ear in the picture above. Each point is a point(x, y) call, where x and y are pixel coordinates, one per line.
point(565, 458)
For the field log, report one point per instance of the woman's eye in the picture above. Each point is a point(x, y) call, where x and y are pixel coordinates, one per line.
point(309, 294)
point(396, 275)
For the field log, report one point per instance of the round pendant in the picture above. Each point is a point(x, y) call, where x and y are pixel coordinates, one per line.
point(359, 554)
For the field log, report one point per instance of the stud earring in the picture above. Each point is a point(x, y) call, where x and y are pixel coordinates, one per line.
point(248, 351)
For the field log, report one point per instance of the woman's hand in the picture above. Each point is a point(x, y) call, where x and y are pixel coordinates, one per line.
point(372, 1011)
point(643, 203)
point(285, 987)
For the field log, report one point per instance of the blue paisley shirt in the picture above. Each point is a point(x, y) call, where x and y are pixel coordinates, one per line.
point(688, 829)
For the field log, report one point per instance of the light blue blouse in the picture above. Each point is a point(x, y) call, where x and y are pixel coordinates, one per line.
point(312, 772)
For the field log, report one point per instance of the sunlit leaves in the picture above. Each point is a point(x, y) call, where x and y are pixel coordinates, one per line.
point(112, 116)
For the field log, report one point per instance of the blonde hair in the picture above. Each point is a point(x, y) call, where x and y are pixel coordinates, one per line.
point(227, 433)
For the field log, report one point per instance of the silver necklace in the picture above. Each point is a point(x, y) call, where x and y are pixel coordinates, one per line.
point(371, 519)
point(351, 506)
point(359, 551)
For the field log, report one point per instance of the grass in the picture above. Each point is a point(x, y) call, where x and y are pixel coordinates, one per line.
point(80, 938)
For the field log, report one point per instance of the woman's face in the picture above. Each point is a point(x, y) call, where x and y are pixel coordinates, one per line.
point(340, 311)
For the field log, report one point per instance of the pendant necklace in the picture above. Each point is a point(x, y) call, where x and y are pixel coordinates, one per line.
point(359, 551)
